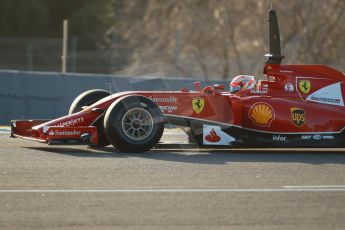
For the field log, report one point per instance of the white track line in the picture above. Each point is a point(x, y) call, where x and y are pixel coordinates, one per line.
point(4, 130)
point(314, 186)
point(221, 190)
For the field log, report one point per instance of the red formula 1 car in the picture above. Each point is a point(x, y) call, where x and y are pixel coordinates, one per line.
point(298, 105)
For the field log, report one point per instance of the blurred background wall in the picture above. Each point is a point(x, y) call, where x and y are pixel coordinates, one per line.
point(48, 95)
point(211, 39)
point(150, 45)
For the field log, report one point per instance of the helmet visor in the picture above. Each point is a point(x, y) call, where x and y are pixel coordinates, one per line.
point(234, 89)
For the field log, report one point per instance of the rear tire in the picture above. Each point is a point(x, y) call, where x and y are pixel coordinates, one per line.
point(133, 124)
point(86, 99)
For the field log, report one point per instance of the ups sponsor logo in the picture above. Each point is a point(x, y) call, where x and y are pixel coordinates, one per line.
point(298, 116)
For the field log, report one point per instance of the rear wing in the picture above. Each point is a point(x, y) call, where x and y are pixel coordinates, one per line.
point(274, 56)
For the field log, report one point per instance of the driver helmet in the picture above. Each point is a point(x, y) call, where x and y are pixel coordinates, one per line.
point(242, 82)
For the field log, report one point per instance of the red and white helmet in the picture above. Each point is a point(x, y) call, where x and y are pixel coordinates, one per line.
point(241, 83)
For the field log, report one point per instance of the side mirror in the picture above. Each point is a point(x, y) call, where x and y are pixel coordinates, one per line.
point(218, 87)
point(197, 85)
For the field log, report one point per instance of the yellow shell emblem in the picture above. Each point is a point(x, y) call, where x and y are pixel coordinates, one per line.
point(262, 114)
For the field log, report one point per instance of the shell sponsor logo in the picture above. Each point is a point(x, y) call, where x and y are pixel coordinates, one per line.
point(262, 114)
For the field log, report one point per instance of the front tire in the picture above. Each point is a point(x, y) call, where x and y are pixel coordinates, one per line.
point(133, 124)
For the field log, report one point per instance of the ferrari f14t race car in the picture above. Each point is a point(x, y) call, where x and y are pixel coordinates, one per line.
point(296, 105)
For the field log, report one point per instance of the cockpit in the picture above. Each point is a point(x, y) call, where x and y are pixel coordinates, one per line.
point(242, 83)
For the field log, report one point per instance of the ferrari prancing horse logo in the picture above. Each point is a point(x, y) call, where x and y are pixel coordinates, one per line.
point(304, 86)
point(198, 104)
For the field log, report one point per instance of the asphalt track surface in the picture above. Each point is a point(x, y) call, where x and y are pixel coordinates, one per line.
point(177, 187)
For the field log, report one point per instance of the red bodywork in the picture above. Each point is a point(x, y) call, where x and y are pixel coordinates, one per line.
point(295, 99)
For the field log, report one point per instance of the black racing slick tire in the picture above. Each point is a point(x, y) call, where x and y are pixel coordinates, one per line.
point(88, 98)
point(133, 124)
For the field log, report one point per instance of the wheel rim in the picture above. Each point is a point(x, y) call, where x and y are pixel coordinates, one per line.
point(137, 124)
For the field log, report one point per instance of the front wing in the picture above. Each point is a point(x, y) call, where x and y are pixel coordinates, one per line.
point(54, 134)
